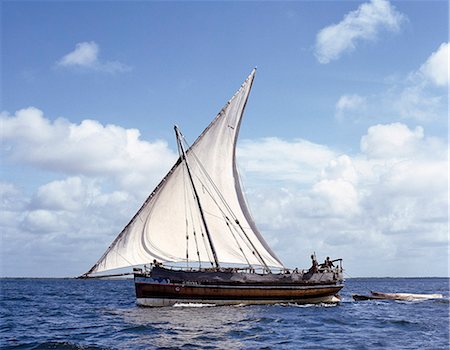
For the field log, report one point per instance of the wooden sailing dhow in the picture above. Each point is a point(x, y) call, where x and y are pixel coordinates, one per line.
point(198, 216)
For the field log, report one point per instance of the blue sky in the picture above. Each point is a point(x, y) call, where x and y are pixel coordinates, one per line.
point(148, 65)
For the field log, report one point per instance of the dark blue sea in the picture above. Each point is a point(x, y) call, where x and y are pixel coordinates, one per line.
point(101, 314)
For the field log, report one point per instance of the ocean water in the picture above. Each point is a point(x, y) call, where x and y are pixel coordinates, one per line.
point(101, 314)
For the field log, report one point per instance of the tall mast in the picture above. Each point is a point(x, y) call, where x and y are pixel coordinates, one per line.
point(197, 199)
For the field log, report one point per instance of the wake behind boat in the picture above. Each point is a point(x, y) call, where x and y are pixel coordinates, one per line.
point(197, 216)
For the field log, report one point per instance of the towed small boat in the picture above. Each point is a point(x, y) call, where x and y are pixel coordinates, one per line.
point(197, 218)
point(396, 296)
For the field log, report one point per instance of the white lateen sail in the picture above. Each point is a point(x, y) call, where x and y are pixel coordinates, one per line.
point(169, 227)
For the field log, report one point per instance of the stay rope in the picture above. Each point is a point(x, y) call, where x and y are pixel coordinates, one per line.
point(222, 198)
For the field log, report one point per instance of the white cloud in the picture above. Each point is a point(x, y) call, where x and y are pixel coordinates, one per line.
point(78, 206)
point(415, 102)
point(362, 24)
point(419, 99)
point(340, 198)
point(86, 55)
point(63, 227)
point(419, 95)
point(387, 203)
point(391, 141)
point(341, 168)
point(89, 148)
point(111, 170)
point(286, 160)
point(435, 69)
point(70, 194)
point(10, 197)
point(350, 103)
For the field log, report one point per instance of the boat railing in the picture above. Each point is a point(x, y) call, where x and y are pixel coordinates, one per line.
point(257, 269)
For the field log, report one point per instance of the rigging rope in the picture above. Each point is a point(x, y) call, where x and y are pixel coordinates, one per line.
point(196, 198)
point(221, 197)
point(186, 217)
point(206, 246)
point(195, 234)
point(228, 222)
point(345, 273)
point(246, 240)
point(237, 242)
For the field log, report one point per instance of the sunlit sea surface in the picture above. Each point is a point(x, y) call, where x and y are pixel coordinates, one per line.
point(101, 314)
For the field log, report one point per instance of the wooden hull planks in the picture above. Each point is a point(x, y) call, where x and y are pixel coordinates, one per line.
point(170, 293)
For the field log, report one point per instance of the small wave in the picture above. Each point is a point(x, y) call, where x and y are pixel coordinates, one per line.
point(441, 301)
point(193, 305)
point(400, 322)
point(308, 305)
point(240, 305)
point(57, 345)
point(411, 301)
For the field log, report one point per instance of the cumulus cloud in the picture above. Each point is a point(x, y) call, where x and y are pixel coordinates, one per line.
point(285, 160)
point(389, 201)
point(435, 69)
point(341, 167)
point(349, 103)
point(392, 140)
point(416, 102)
point(419, 99)
point(62, 227)
point(364, 23)
point(88, 148)
point(420, 95)
point(76, 207)
point(85, 55)
point(103, 174)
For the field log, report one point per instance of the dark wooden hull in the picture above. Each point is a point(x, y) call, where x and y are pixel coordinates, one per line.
point(396, 296)
point(359, 297)
point(163, 292)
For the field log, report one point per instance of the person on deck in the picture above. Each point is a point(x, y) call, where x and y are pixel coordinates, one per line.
point(328, 263)
point(315, 265)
